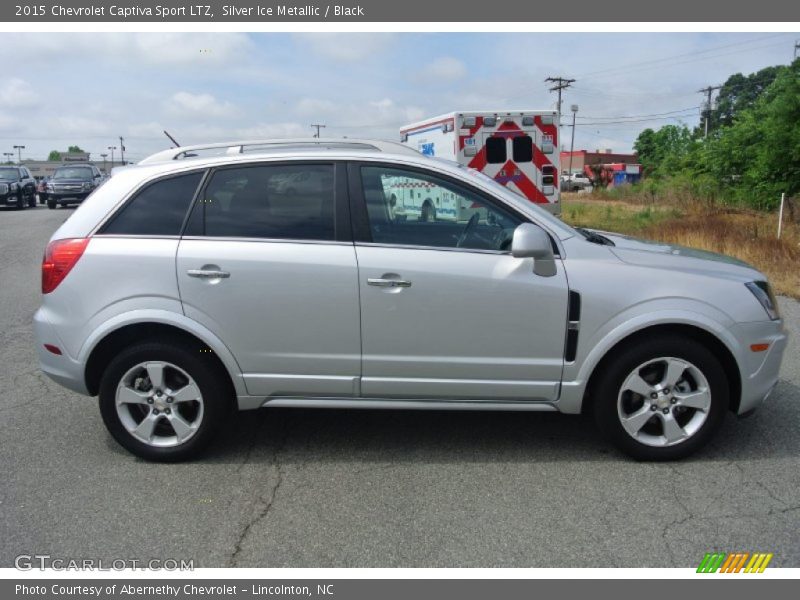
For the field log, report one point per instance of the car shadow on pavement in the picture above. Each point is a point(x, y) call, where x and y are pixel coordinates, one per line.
point(302, 435)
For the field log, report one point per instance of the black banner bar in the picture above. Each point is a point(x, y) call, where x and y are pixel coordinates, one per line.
point(728, 587)
point(443, 11)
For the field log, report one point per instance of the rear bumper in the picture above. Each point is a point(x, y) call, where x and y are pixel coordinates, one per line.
point(760, 370)
point(59, 367)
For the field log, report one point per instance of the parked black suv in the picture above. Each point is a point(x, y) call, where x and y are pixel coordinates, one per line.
point(71, 184)
point(17, 187)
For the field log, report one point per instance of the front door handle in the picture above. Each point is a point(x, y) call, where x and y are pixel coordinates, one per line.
point(388, 283)
point(208, 274)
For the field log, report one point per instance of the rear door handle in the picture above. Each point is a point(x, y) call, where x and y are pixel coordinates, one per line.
point(378, 282)
point(208, 274)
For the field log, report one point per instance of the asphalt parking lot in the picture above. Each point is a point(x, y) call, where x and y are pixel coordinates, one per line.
point(304, 488)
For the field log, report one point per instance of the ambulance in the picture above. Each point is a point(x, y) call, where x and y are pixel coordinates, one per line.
point(516, 148)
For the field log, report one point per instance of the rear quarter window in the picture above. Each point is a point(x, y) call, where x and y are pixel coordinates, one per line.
point(157, 209)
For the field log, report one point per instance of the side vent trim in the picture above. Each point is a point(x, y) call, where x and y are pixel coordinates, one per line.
point(573, 326)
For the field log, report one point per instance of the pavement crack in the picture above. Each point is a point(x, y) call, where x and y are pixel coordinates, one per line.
point(265, 501)
point(688, 514)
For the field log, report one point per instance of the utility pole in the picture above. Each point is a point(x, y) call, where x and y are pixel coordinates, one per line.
point(8, 156)
point(574, 108)
point(19, 150)
point(104, 162)
point(112, 148)
point(559, 83)
point(122, 149)
point(318, 126)
point(708, 91)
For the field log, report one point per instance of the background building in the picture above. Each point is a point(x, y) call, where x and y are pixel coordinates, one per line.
point(581, 158)
point(45, 168)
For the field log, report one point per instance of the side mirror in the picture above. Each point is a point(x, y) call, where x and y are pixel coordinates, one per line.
point(531, 241)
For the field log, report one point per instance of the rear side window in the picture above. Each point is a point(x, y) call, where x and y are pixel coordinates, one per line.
point(271, 201)
point(158, 209)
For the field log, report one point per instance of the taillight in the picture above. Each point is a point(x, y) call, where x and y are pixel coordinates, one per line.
point(59, 258)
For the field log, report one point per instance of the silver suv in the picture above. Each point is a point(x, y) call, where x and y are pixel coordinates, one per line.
point(200, 281)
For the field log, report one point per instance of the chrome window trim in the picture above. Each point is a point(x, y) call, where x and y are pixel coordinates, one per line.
point(209, 238)
point(439, 248)
point(134, 236)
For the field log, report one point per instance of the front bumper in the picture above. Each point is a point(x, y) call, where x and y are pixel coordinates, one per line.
point(9, 200)
point(67, 197)
point(59, 367)
point(759, 370)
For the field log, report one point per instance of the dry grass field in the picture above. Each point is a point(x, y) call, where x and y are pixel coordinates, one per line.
point(746, 234)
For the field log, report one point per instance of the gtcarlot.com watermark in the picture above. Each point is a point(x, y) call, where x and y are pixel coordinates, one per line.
point(43, 562)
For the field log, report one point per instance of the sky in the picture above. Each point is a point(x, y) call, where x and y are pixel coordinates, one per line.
point(89, 89)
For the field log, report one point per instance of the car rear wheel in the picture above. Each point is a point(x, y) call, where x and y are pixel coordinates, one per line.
point(661, 399)
point(428, 214)
point(51, 204)
point(164, 402)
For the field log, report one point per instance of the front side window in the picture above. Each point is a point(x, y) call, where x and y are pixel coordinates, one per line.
point(271, 201)
point(418, 209)
point(158, 209)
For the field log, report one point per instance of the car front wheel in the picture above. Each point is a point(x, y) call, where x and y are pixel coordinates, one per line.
point(164, 402)
point(662, 398)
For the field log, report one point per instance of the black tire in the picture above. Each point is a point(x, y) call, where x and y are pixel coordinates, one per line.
point(606, 392)
point(428, 213)
point(21, 202)
point(32, 201)
point(218, 397)
point(51, 204)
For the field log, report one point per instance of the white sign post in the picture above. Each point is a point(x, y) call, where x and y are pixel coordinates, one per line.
point(780, 215)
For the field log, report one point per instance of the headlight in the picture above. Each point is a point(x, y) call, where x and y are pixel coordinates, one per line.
point(48, 187)
point(763, 294)
point(87, 186)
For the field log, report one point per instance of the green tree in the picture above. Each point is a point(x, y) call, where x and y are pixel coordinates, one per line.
point(740, 93)
point(54, 155)
point(662, 152)
point(75, 149)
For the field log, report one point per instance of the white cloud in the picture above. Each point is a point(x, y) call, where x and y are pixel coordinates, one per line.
point(127, 50)
point(443, 70)
point(204, 105)
point(18, 93)
point(315, 107)
point(346, 47)
point(274, 130)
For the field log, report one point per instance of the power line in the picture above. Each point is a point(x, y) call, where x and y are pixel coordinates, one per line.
point(632, 121)
point(672, 59)
point(671, 112)
point(318, 126)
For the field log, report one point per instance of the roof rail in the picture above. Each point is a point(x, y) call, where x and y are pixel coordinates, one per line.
point(278, 145)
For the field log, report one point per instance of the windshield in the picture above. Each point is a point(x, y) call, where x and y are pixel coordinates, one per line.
point(9, 174)
point(73, 173)
point(541, 214)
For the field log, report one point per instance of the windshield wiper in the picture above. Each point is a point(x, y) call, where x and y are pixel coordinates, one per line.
point(594, 238)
